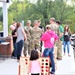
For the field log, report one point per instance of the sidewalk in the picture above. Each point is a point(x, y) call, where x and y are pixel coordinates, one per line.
point(9, 67)
point(66, 66)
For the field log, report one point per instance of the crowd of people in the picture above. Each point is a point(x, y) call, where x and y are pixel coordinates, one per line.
point(30, 39)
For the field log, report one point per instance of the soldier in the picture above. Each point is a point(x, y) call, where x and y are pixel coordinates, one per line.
point(35, 33)
point(55, 28)
point(39, 25)
point(28, 42)
point(59, 47)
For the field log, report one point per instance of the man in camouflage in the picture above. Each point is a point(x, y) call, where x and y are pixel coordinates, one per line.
point(27, 44)
point(35, 33)
point(59, 50)
point(55, 28)
point(39, 25)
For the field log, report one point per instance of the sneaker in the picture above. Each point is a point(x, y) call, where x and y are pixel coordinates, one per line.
point(69, 55)
point(12, 57)
point(18, 60)
point(64, 54)
point(15, 57)
point(59, 58)
point(53, 73)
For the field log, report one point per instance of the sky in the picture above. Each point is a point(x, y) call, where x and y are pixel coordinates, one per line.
point(8, 4)
point(1, 4)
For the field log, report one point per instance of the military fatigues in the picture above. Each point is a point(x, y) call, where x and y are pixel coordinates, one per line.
point(59, 49)
point(59, 43)
point(35, 33)
point(55, 28)
point(27, 43)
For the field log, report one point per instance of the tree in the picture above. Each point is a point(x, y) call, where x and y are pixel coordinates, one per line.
point(1, 14)
point(1, 19)
point(43, 10)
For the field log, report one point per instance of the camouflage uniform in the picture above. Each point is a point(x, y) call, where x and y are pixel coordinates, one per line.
point(55, 28)
point(59, 47)
point(27, 43)
point(57, 43)
point(35, 33)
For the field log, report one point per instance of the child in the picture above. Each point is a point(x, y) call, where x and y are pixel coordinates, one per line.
point(34, 64)
point(49, 38)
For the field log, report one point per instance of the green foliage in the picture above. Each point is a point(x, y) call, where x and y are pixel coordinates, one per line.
point(42, 10)
point(1, 19)
point(10, 20)
point(1, 27)
point(1, 14)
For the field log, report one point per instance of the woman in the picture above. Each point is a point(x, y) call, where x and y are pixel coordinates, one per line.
point(21, 36)
point(14, 36)
point(49, 37)
point(67, 35)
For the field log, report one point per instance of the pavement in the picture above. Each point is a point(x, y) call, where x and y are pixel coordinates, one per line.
point(66, 66)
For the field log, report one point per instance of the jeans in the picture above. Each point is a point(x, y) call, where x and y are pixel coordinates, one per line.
point(15, 49)
point(20, 45)
point(49, 52)
point(68, 46)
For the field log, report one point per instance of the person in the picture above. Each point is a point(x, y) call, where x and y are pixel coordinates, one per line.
point(61, 28)
point(49, 37)
point(14, 24)
point(67, 34)
point(35, 33)
point(14, 36)
point(34, 64)
point(27, 44)
point(39, 25)
point(55, 28)
point(59, 47)
point(21, 36)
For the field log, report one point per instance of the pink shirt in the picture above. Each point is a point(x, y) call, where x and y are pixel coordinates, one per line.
point(49, 38)
point(35, 67)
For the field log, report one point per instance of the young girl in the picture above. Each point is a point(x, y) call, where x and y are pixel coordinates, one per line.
point(67, 35)
point(34, 65)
